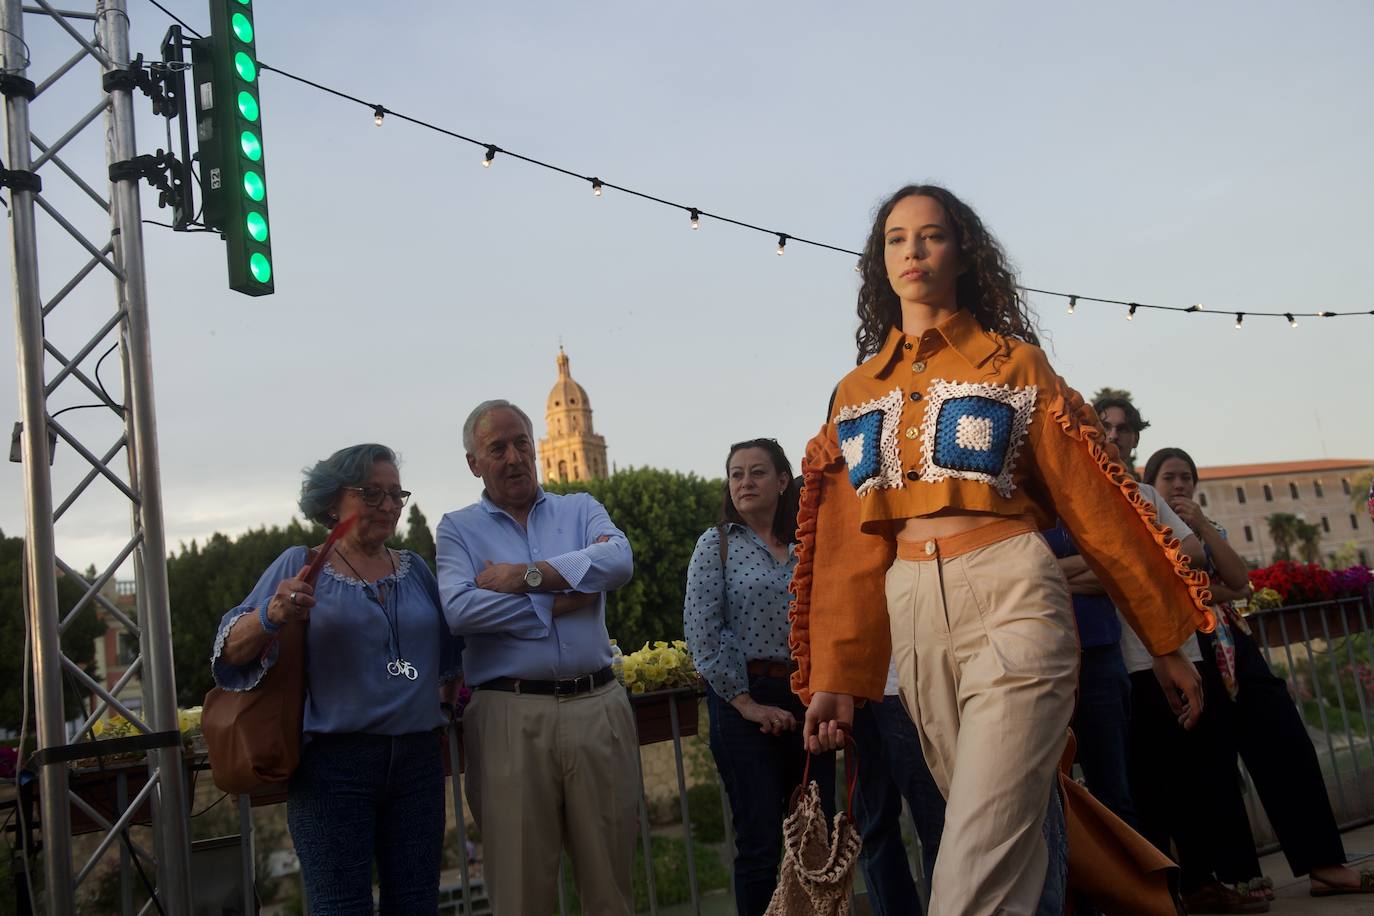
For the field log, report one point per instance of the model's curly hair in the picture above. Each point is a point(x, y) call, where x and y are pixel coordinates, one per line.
point(986, 288)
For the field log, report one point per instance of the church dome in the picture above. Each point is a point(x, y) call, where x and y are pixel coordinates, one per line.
point(566, 394)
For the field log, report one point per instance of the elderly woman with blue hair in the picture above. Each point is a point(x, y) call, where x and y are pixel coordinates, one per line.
point(370, 785)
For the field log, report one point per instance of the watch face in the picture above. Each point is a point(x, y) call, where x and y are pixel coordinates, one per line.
point(533, 577)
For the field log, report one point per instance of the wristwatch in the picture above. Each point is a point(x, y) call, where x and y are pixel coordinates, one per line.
point(533, 577)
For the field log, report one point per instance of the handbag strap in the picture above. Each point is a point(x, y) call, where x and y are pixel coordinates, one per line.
point(851, 772)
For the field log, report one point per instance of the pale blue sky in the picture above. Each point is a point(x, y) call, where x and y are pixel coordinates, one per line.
point(1214, 153)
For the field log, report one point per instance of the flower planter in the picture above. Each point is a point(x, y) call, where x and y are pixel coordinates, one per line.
point(653, 713)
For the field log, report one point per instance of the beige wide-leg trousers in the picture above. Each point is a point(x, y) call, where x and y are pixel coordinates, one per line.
point(544, 772)
point(986, 648)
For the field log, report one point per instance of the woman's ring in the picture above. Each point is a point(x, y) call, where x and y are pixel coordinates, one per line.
point(293, 598)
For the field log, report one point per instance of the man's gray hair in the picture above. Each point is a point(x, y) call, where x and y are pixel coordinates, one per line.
point(480, 411)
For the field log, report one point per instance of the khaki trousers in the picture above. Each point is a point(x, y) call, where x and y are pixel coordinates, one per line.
point(544, 772)
point(986, 649)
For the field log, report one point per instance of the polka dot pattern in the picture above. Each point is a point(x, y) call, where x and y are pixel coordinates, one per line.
point(740, 616)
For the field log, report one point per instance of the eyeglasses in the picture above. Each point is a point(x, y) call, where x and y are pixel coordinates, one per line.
point(372, 496)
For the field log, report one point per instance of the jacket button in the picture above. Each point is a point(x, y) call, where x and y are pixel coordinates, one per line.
point(912, 432)
point(907, 345)
point(913, 475)
point(930, 548)
point(918, 366)
point(915, 395)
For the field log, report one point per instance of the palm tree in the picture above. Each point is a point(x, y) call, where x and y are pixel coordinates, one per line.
point(1283, 531)
point(1309, 542)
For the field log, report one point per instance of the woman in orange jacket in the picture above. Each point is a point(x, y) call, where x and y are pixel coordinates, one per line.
point(949, 447)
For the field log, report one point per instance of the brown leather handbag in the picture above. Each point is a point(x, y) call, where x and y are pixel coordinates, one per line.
point(1110, 864)
point(254, 736)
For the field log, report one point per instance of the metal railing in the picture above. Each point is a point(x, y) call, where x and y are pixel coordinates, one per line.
point(1325, 652)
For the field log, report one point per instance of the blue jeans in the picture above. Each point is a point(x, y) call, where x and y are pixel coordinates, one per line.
point(1102, 725)
point(760, 773)
point(356, 797)
point(892, 767)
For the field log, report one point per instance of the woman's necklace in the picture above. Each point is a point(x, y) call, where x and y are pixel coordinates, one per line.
point(397, 666)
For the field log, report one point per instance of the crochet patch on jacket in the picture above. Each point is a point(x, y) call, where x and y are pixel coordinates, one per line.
point(867, 436)
point(974, 431)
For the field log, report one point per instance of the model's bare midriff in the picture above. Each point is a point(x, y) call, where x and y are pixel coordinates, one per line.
point(943, 524)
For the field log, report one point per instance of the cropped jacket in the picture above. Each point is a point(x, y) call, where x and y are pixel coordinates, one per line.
point(963, 418)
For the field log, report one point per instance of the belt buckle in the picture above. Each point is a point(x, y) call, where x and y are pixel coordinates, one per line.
point(569, 687)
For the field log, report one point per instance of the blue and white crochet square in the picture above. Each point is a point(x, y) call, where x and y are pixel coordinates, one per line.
point(973, 431)
point(867, 436)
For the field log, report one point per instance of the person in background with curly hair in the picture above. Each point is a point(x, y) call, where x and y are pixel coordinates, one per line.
point(953, 443)
point(735, 620)
point(1256, 716)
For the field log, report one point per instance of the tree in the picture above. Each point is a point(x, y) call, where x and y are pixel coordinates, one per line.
point(78, 642)
point(1309, 539)
point(662, 513)
point(1283, 531)
point(418, 536)
point(1362, 489)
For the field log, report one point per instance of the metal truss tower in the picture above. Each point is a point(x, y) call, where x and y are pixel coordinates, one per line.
point(44, 365)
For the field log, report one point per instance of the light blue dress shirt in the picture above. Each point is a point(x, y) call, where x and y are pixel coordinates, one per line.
point(739, 614)
point(348, 646)
point(516, 635)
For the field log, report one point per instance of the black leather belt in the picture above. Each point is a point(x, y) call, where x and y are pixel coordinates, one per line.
point(563, 687)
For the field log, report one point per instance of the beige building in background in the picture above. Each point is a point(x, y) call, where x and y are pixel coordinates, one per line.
point(1243, 496)
point(572, 449)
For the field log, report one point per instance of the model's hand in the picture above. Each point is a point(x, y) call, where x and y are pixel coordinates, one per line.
point(293, 600)
point(503, 577)
point(828, 717)
point(771, 720)
point(1191, 513)
point(1182, 685)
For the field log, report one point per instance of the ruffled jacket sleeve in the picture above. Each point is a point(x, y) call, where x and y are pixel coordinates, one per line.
point(839, 636)
point(1161, 597)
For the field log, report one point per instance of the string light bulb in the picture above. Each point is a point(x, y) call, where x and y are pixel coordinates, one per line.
point(1325, 314)
point(1130, 312)
point(1292, 322)
point(696, 217)
point(1240, 316)
point(596, 187)
point(1073, 301)
point(378, 113)
point(1194, 308)
point(782, 243)
point(491, 154)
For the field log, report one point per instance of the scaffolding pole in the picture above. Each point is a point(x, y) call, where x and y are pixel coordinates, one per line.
point(137, 433)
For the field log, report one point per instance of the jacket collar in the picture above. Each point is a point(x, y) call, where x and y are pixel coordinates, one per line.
point(960, 331)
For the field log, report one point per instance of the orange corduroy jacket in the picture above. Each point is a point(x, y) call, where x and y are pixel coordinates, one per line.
point(964, 418)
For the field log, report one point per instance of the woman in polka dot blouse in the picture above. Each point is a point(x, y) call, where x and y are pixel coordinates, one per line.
point(735, 617)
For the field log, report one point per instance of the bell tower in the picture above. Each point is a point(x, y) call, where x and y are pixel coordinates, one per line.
point(571, 449)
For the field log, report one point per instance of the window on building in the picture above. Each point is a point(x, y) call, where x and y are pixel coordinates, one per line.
point(1364, 557)
point(1268, 493)
point(1354, 522)
point(127, 649)
point(1249, 535)
point(563, 471)
point(1317, 488)
point(1240, 495)
point(1345, 485)
point(1202, 499)
point(1326, 524)
point(1292, 489)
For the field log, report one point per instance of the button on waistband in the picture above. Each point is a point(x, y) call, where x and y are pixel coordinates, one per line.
point(930, 548)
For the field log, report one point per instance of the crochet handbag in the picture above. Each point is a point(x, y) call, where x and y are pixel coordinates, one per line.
point(817, 873)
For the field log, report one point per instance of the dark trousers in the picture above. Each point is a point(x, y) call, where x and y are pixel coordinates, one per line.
point(356, 798)
point(760, 773)
point(1180, 794)
point(1102, 723)
point(1264, 726)
point(892, 767)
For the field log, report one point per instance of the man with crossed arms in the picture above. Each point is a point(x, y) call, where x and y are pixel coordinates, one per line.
point(549, 736)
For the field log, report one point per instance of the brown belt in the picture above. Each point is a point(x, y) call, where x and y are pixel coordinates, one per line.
point(770, 669)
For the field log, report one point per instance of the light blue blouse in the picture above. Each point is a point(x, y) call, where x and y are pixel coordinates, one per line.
point(739, 614)
point(348, 647)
